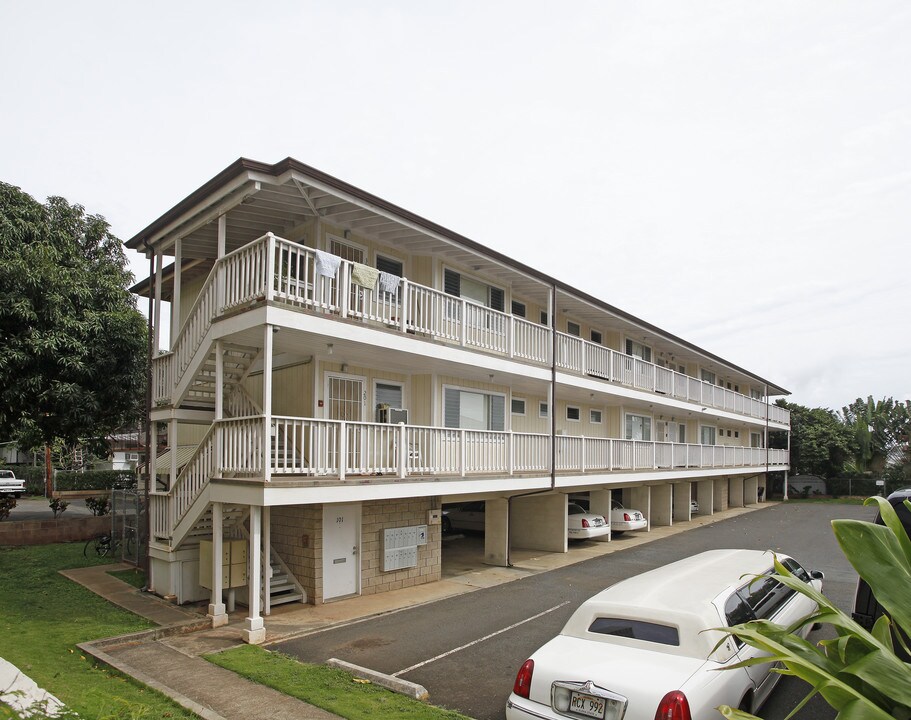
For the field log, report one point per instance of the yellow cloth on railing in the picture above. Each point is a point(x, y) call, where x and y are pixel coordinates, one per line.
point(364, 275)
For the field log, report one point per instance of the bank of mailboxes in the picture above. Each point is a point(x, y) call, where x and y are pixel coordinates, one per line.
point(233, 563)
point(400, 546)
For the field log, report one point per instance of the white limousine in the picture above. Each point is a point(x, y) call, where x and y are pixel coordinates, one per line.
point(643, 649)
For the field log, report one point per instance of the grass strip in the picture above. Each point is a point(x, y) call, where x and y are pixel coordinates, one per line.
point(42, 617)
point(131, 576)
point(328, 688)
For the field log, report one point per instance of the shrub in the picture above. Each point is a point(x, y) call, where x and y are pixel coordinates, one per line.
point(98, 505)
point(95, 480)
point(6, 506)
point(58, 506)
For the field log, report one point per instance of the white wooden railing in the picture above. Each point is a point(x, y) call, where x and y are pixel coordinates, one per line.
point(279, 270)
point(235, 447)
point(306, 446)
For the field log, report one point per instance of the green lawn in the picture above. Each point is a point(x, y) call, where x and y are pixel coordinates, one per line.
point(43, 615)
point(133, 576)
point(329, 688)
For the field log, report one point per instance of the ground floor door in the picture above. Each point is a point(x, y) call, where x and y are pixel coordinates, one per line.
point(341, 558)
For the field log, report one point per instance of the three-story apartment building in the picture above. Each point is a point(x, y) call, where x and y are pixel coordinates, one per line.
point(339, 368)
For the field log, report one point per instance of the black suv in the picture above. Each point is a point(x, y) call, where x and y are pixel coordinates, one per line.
point(866, 609)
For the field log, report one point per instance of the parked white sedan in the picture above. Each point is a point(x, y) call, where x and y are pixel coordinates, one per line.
point(623, 519)
point(645, 648)
point(583, 525)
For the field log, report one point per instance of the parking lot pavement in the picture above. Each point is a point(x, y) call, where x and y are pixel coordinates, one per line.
point(37, 508)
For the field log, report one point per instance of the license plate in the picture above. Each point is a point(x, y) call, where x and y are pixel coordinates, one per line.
point(587, 705)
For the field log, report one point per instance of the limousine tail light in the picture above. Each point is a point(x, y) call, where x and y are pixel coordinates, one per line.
point(627, 517)
point(585, 523)
point(522, 688)
point(673, 706)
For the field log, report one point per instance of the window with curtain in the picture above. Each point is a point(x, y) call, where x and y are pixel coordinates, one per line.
point(473, 410)
point(643, 352)
point(638, 427)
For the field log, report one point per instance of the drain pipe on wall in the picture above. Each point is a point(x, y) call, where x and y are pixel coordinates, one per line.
point(151, 454)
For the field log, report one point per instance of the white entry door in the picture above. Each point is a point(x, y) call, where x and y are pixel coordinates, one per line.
point(341, 556)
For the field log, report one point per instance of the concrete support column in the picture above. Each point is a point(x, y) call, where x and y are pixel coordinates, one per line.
point(599, 502)
point(539, 522)
point(735, 492)
point(719, 494)
point(751, 491)
point(216, 604)
point(640, 498)
point(662, 506)
point(682, 496)
point(705, 497)
point(496, 532)
point(254, 631)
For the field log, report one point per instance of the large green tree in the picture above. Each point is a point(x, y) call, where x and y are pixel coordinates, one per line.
point(72, 343)
point(820, 442)
point(880, 430)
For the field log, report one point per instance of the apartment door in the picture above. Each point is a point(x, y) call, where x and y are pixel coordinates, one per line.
point(346, 397)
point(341, 535)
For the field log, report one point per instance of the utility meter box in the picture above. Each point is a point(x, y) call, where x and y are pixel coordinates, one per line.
point(233, 563)
point(433, 517)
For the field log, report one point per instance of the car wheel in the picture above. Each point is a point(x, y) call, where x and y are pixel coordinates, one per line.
point(17, 495)
point(446, 524)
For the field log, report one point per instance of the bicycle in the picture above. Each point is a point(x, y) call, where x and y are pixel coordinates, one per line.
point(105, 545)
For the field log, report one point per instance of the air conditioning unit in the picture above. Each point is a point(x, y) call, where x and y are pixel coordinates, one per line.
point(393, 416)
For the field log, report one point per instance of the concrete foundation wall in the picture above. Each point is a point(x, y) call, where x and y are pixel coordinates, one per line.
point(640, 499)
point(45, 532)
point(705, 496)
point(682, 495)
point(662, 505)
point(599, 502)
point(751, 490)
point(735, 492)
point(539, 523)
point(496, 532)
point(719, 494)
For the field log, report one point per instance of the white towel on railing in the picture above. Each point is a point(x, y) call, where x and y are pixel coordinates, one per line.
point(364, 275)
point(389, 283)
point(326, 263)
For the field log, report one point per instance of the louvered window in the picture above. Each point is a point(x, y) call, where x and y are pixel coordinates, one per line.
point(518, 309)
point(460, 286)
point(393, 267)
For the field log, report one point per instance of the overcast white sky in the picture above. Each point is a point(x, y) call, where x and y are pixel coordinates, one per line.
point(737, 173)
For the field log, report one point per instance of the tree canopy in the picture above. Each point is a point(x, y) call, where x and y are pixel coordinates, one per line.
point(72, 343)
point(820, 442)
point(880, 432)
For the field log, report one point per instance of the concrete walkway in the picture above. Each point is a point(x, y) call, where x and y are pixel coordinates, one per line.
point(168, 659)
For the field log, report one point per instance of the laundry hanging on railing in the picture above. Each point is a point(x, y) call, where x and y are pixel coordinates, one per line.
point(364, 275)
point(389, 283)
point(327, 263)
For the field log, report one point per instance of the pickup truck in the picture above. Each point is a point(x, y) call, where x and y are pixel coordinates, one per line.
point(10, 484)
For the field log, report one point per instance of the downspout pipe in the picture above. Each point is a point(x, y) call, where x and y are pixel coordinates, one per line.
point(145, 530)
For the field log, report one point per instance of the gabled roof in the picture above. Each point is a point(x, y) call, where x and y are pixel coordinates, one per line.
point(232, 187)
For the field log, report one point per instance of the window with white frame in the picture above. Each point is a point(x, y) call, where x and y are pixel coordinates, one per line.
point(518, 309)
point(573, 414)
point(389, 393)
point(473, 410)
point(347, 250)
point(637, 349)
point(518, 406)
point(755, 394)
point(755, 440)
point(462, 286)
point(573, 328)
point(544, 318)
point(638, 427)
point(594, 417)
point(597, 337)
point(706, 435)
point(542, 409)
point(707, 375)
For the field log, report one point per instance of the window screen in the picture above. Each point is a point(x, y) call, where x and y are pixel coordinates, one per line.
point(388, 394)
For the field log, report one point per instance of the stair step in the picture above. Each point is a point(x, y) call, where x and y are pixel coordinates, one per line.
point(282, 599)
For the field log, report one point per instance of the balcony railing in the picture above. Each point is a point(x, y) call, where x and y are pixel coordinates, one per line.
point(307, 446)
point(244, 275)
